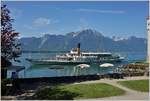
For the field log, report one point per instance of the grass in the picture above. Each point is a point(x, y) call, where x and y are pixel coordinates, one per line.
point(78, 91)
point(141, 61)
point(138, 85)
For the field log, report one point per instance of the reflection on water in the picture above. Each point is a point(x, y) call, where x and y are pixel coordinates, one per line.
point(66, 70)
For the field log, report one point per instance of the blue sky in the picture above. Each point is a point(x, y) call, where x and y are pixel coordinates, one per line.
point(121, 19)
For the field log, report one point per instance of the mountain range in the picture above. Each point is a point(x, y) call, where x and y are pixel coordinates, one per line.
point(91, 40)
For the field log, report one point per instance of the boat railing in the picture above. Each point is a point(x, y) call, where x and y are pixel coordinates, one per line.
point(52, 58)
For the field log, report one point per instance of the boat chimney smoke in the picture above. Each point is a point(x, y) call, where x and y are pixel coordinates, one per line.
point(78, 48)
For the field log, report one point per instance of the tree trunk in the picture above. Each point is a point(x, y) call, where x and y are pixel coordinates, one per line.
point(3, 73)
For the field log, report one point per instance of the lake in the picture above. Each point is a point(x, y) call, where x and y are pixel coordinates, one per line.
point(32, 71)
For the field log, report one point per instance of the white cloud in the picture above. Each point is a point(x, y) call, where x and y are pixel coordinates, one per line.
point(42, 21)
point(101, 11)
point(39, 22)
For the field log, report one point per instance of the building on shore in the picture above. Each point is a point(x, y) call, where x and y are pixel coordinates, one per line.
point(148, 39)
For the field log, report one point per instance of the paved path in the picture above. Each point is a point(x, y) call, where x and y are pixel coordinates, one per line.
point(129, 95)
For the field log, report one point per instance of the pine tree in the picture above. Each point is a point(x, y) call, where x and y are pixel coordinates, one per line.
point(10, 48)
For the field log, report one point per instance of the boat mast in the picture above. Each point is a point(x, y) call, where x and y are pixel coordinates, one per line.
point(78, 49)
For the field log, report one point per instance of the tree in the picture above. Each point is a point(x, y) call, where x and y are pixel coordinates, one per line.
point(10, 47)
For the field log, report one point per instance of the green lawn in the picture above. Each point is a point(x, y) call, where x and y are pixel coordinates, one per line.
point(78, 91)
point(139, 85)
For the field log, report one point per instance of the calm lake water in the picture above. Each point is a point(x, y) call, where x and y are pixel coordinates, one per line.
point(32, 71)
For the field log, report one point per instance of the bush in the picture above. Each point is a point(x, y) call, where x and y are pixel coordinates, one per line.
point(54, 93)
point(4, 88)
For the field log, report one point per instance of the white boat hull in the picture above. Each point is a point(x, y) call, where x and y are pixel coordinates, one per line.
point(57, 62)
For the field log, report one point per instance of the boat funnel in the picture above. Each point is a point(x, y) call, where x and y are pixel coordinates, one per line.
point(78, 48)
